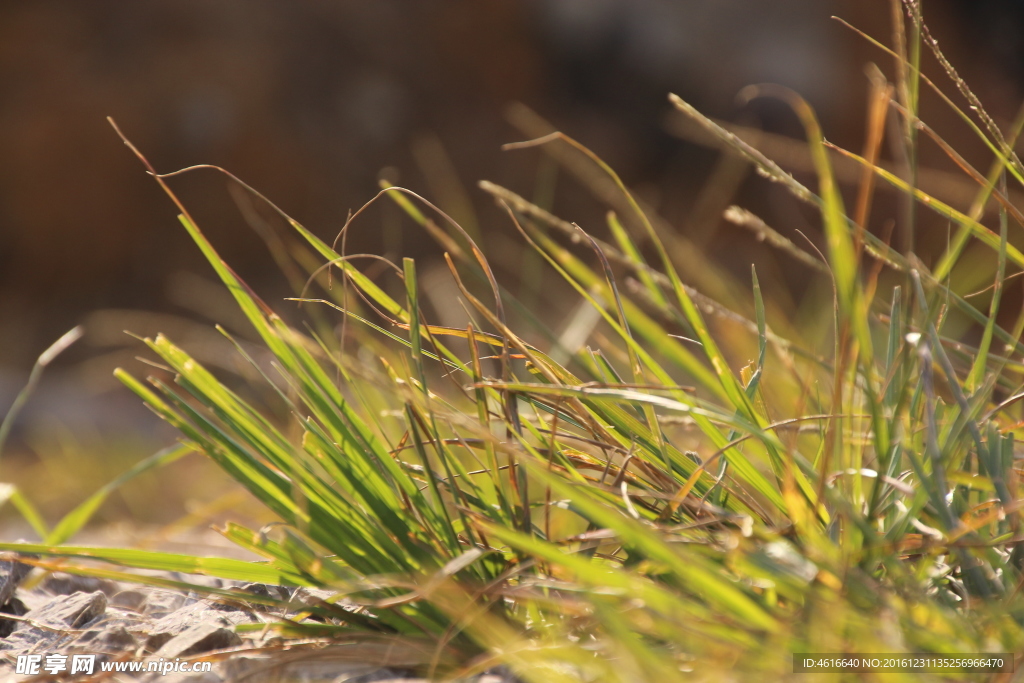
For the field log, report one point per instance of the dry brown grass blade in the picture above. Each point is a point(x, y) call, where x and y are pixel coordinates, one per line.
point(970, 171)
point(878, 107)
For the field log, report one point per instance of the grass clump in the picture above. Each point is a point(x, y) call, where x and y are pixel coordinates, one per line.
point(580, 514)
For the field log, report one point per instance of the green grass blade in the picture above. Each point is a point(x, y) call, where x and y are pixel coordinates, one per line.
point(72, 522)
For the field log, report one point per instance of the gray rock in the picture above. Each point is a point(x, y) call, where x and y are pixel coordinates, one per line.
point(60, 583)
point(498, 674)
point(15, 607)
point(190, 616)
point(310, 596)
point(11, 574)
point(160, 603)
point(107, 637)
point(197, 639)
point(279, 593)
point(130, 598)
point(58, 621)
point(73, 611)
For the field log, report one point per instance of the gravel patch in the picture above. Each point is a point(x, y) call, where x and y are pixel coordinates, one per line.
point(67, 615)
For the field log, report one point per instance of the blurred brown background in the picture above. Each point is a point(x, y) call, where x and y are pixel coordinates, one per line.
point(308, 100)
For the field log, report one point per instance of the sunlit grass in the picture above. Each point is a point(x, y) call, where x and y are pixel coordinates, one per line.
point(643, 505)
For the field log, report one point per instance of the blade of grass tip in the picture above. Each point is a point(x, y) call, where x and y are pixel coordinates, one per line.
point(977, 374)
point(448, 244)
point(72, 522)
point(524, 208)
point(730, 384)
point(225, 568)
point(564, 379)
point(755, 377)
point(896, 325)
point(765, 167)
point(582, 279)
point(28, 511)
point(988, 185)
point(319, 245)
point(249, 302)
point(510, 403)
point(634, 360)
point(841, 253)
point(764, 233)
point(762, 336)
point(632, 253)
point(45, 358)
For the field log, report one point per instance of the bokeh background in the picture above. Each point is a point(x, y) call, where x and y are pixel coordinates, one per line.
point(312, 101)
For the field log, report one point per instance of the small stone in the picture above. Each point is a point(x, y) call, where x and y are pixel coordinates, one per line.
point(266, 591)
point(498, 674)
point(260, 589)
point(130, 598)
point(17, 608)
point(200, 638)
point(71, 611)
point(188, 617)
point(11, 574)
point(60, 583)
point(60, 615)
point(160, 603)
point(311, 596)
point(112, 637)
